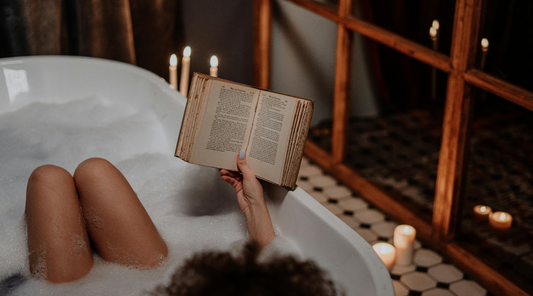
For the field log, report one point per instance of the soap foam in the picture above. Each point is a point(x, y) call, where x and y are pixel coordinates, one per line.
point(190, 215)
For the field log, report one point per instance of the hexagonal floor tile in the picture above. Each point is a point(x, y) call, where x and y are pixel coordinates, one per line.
point(402, 269)
point(319, 196)
point(310, 170)
point(437, 292)
point(366, 234)
point(467, 288)
point(333, 208)
point(418, 281)
point(304, 185)
point(369, 216)
point(399, 289)
point(385, 228)
point(445, 273)
point(338, 192)
point(426, 258)
point(322, 181)
point(354, 204)
point(349, 220)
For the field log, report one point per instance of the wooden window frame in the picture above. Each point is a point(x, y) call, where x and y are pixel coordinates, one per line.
point(457, 116)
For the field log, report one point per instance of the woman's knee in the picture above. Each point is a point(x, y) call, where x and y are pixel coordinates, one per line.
point(92, 168)
point(46, 177)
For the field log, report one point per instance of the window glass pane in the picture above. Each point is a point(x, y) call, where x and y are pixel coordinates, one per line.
point(507, 27)
point(500, 176)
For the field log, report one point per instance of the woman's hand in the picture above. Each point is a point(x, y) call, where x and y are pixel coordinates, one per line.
point(250, 197)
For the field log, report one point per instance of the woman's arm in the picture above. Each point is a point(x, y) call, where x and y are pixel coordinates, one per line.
point(250, 197)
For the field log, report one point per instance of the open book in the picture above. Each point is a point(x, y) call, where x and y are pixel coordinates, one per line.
point(223, 117)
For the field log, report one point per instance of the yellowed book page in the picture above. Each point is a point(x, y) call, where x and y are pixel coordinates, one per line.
point(270, 135)
point(226, 125)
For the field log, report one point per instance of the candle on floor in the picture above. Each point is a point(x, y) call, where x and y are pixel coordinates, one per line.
point(500, 221)
point(185, 66)
point(213, 71)
point(433, 33)
point(404, 236)
point(482, 213)
point(172, 72)
point(484, 50)
point(386, 252)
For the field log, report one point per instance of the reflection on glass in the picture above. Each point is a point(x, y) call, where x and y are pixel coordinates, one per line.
point(17, 82)
point(497, 211)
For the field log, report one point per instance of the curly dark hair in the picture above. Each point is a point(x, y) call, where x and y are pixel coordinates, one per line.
point(221, 274)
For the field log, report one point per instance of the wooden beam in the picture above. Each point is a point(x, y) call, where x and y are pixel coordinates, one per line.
point(457, 113)
point(499, 87)
point(262, 40)
point(341, 110)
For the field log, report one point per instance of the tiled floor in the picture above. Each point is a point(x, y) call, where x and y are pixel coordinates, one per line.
point(429, 275)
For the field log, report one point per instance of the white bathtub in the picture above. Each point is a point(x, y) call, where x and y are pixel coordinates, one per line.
point(318, 233)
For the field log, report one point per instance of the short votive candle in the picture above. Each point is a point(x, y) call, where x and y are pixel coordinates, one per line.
point(500, 221)
point(482, 213)
point(404, 237)
point(387, 253)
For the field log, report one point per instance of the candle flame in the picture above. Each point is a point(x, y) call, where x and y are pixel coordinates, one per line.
point(435, 24)
point(432, 32)
point(187, 51)
point(406, 229)
point(485, 43)
point(214, 61)
point(173, 60)
point(383, 248)
point(502, 216)
point(483, 209)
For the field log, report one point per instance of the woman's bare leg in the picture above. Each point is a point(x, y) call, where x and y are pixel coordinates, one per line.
point(59, 249)
point(119, 227)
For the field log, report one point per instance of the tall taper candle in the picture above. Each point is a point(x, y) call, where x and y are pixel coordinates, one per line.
point(213, 71)
point(172, 72)
point(434, 34)
point(185, 66)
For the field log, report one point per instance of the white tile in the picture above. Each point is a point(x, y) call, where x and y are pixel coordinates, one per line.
point(437, 292)
point(399, 289)
point(366, 234)
point(322, 181)
point(445, 273)
point(304, 185)
point(417, 244)
point(418, 281)
point(338, 191)
point(402, 269)
point(309, 171)
point(349, 220)
point(333, 208)
point(305, 162)
point(369, 216)
point(426, 258)
point(353, 204)
point(467, 288)
point(319, 196)
point(385, 228)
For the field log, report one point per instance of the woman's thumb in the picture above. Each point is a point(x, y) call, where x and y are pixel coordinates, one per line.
point(243, 166)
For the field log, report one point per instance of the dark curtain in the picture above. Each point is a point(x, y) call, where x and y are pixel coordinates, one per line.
point(139, 32)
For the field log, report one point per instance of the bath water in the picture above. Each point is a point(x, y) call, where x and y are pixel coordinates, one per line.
point(193, 209)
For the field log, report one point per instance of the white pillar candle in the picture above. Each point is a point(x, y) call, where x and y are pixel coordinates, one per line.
point(173, 72)
point(185, 66)
point(482, 213)
point(500, 221)
point(213, 71)
point(404, 236)
point(386, 252)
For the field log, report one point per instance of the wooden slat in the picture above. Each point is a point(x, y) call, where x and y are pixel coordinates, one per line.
point(342, 87)
point(504, 89)
point(319, 156)
point(317, 8)
point(262, 39)
point(456, 119)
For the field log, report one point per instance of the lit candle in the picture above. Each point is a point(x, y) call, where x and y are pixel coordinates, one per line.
point(213, 71)
point(173, 74)
point(484, 50)
point(433, 33)
point(185, 65)
point(500, 221)
point(482, 213)
point(387, 254)
point(435, 24)
point(404, 236)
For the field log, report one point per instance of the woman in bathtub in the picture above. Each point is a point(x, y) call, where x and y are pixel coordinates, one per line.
point(63, 211)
